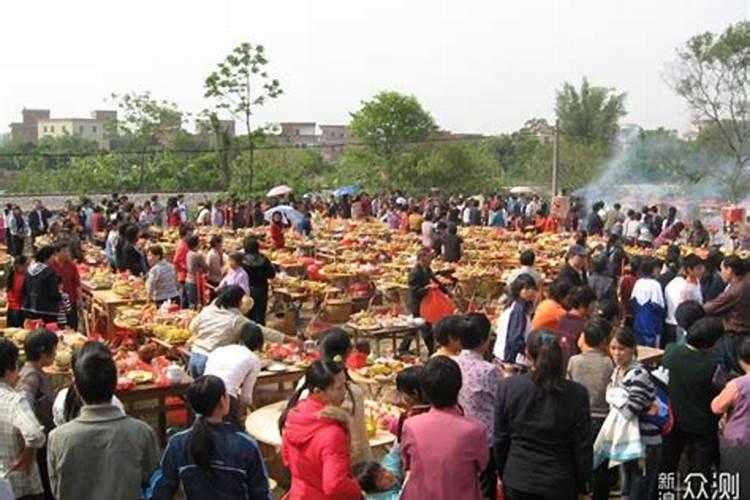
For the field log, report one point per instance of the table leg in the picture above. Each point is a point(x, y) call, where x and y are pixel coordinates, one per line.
point(110, 322)
point(163, 421)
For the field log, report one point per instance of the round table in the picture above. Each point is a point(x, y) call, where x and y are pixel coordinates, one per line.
point(263, 425)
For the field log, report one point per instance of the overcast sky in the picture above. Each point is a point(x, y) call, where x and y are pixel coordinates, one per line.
point(476, 65)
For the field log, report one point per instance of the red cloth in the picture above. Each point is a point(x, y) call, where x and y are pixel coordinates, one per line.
point(173, 219)
point(356, 360)
point(627, 283)
point(316, 450)
point(71, 280)
point(180, 260)
point(97, 223)
point(277, 235)
point(15, 292)
point(550, 225)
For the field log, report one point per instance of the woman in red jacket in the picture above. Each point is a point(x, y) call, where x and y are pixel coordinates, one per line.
point(15, 291)
point(315, 437)
point(277, 231)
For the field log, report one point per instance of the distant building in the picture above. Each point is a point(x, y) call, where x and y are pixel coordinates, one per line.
point(333, 139)
point(25, 131)
point(86, 128)
point(37, 124)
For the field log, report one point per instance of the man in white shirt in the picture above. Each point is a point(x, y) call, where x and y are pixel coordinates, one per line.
point(685, 286)
point(238, 366)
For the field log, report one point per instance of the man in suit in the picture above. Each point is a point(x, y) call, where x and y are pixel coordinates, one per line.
point(39, 219)
point(574, 270)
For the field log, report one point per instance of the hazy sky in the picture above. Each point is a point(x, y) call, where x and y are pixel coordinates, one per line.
point(477, 65)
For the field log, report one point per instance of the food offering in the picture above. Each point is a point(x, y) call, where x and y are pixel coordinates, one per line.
point(380, 416)
point(97, 278)
point(130, 288)
point(130, 317)
point(16, 335)
point(370, 321)
point(63, 359)
point(382, 370)
point(287, 355)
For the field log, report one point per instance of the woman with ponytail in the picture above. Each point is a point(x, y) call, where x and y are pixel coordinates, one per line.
point(211, 459)
point(315, 437)
point(542, 426)
point(335, 345)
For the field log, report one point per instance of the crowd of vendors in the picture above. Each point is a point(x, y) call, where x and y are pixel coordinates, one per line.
point(535, 391)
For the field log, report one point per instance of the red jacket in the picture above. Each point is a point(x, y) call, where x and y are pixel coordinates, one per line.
point(277, 235)
point(315, 447)
point(71, 279)
point(180, 260)
point(15, 292)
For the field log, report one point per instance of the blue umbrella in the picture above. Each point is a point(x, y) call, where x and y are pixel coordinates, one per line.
point(349, 190)
point(292, 215)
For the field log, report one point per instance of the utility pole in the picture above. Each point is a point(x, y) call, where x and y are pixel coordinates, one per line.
point(555, 157)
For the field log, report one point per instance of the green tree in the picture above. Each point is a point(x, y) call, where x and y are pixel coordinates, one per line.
point(385, 124)
point(711, 74)
point(146, 124)
point(240, 85)
point(589, 114)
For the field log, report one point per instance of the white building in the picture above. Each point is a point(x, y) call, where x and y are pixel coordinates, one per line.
point(85, 128)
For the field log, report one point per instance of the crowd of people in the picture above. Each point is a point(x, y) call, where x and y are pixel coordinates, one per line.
point(549, 402)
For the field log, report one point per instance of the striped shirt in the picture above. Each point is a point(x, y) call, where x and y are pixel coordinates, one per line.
point(636, 381)
point(19, 429)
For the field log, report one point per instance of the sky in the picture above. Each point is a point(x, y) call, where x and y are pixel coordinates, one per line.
point(480, 66)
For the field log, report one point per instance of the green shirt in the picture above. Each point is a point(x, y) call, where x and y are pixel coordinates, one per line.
point(691, 388)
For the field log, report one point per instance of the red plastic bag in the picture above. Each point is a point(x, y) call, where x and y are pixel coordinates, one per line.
point(435, 306)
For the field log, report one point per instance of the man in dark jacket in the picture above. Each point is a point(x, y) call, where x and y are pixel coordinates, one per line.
point(420, 279)
point(38, 219)
point(452, 244)
point(41, 288)
point(259, 271)
point(574, 270)
point(594, 223)
point(604, 286)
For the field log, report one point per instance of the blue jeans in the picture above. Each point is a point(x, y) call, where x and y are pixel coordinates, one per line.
point(191, 295)
point(197, 364)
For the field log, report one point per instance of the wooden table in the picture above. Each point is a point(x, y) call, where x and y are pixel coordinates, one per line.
point(104, 303)
point(263, 425)
point(394, 334)
point(290, 376)
point(159, 393)
point(649, 355)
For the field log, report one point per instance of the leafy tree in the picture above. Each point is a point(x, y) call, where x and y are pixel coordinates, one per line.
point(389, 120)
point(711, 74)
point(144, 122)
point(239, 85)
point(590, 114)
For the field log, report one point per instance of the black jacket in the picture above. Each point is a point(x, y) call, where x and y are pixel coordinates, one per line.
point(567, 273)
point(419, 278)
point(259, 270)
point(451, 247)
point(41, 290)
point(39, 225)
point(132, 260)
point(542, 440)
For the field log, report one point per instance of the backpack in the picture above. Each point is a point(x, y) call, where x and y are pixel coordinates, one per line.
point(664, 419)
